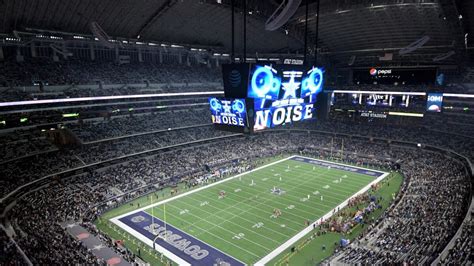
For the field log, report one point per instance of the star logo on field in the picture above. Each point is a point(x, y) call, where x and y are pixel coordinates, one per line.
point(290, 88)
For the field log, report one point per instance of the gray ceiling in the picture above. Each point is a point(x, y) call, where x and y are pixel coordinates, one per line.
point(364, 28)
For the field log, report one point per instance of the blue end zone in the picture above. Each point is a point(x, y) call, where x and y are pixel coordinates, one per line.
point(178, 242)
point(338, 166)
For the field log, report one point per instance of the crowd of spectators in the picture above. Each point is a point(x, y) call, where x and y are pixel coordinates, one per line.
point(460, 253)
point(21, 143)
point(79, 198)
point(421, 225)
point(415, 134)
point(25, 170)
point(37, 225)
point(87, 72)
point(102, 151)
point(9, 254)
point(413, 231)
point(45, 158)
point(16, 117)
point(22, 94)
point(128, 125)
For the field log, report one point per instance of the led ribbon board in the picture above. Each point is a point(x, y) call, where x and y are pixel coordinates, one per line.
point(283, 94)
point(227, 111)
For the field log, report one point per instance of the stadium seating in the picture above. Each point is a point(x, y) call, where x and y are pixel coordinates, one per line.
point(84, 72)
point(129, 154)
point(95, 188)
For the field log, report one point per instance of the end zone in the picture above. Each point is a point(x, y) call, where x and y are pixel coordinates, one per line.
point(179, 246)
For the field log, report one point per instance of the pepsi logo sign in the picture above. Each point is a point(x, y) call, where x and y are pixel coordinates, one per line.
point(375, 72)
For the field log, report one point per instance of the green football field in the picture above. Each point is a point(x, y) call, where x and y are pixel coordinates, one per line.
point(241, 223)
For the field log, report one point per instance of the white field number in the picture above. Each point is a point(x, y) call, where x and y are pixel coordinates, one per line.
point(204, 203)
point(184, 211)
point(290, 207)
point(239, 236)
point(257, 225)
point(237, 190)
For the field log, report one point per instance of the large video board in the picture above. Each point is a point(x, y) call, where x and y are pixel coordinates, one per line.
point(227, 111)
point(283, 93)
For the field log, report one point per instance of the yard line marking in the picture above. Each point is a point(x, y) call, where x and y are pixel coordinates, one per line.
point(229, 197)
point(294, 170)
point(229, 221)
point(308, 229)
point(310, 175)
point(319, 203)
point(202, 188)
point(291, 196)
point(208, 232)
point(334, 188)
point(263, 203)
point(293, 188)
point(223, 228)
point(244, 211)
point(332, 174)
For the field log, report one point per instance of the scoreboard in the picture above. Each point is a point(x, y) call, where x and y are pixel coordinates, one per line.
point(369, 99)
point(228, 111)
point(265, 95)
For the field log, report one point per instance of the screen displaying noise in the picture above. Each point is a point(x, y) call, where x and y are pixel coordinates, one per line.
point(228, 111)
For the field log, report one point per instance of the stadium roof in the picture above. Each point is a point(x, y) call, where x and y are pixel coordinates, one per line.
point(361, 28)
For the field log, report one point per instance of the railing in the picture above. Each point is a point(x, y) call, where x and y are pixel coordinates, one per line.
point(25, 258)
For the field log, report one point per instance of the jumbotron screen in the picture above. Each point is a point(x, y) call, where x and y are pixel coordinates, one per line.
point(228, 111)
point(283, 93)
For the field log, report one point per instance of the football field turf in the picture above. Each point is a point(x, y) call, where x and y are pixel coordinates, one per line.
point(240, 226)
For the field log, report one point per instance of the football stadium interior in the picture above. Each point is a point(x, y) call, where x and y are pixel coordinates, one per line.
point(236, 132)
